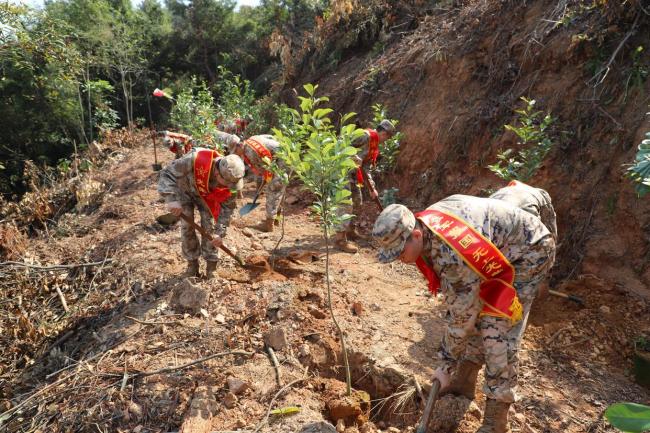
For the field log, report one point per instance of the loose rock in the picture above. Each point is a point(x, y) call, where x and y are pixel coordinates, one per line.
point(276, 338)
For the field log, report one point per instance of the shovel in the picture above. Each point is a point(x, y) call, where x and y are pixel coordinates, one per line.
point(249, 207)
point(170, 218)
point(376, 197)
point(573, 298)
point(428, 409)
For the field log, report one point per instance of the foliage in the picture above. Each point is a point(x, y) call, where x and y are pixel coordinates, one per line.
point(193, 112)
point(639, 173)
point(389, 149)
point(321, 157)
point(236, 97)
point(629, 417)
point(532, 130)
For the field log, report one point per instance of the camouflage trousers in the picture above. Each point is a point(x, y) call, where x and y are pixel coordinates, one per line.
point(191, 248)
point(491, 340)
point(274, 192)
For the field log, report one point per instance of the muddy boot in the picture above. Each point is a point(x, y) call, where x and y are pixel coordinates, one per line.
point(192, 269)
point(210, 269)
point(463, 381)
point(342, 243)
point(495, 418)
point(267, 225)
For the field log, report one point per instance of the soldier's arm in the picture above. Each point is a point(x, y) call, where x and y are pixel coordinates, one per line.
point(227, 209)
point(168, 181)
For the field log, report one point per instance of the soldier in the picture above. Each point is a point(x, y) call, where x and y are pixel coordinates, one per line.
point(254, 151)
point(366, 158)
point(179, 144)
point(489, 257)
point(227, 141)
point(535, 201)
point(203, 179)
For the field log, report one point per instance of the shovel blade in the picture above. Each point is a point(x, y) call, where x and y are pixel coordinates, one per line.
point(247, 208)
point(167, 219)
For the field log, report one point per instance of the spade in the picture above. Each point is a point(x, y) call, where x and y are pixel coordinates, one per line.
point(249, 207)
point(170, 218)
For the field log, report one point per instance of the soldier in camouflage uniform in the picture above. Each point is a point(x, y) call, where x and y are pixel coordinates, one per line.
point(177, 185)
point(472, 338)
point(253, 151)
point(227, 141)
point(533, 200)
point(365, 160)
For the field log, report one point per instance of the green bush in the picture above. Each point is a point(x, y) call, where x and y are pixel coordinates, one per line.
point(532, 130)
point(629, 417)
point(193, 112)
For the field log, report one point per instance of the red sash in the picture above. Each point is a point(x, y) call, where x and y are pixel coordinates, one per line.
point(202, 167)
point(496, 290)
point(262, 152)
point(515, 183)
point(373, 153)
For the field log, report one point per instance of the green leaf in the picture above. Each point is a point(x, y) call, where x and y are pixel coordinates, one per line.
point(629, 417)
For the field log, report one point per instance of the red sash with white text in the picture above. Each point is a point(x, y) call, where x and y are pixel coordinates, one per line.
point(262, 152)
point(202, 167)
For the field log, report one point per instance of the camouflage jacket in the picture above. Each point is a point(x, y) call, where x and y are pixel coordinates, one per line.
point(176, 184)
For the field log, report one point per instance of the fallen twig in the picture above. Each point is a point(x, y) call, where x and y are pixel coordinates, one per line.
point(144, 322)
point(277, 394)
point(53, 267)
point(62, 298)
point(189, 364)
point(418, 388)
point(276, 364)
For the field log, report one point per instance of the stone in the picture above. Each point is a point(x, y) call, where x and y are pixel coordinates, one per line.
point(316, 312)
point(220, 319)
point(135, 410)
point(375, 306)
point(605, 309)
point(247, 232)
point(189, 297)
point(305, 350)
point(340, 426)
point(318, 427)
point(276, 338)
point(357, 308)
point(237, 386)
point(230, 400)
point(392, 430)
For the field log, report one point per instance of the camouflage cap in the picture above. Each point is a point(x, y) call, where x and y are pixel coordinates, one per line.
point(392, 228)
point(232, 169)
point(387, 126)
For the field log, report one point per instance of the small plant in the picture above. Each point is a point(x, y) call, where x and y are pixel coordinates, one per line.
point(629, 417)
point(236, 97)
point(531, 129)
point(639, 173)
point(389, 149)
point(321, 157)
point(638, 72)
point(194, 113)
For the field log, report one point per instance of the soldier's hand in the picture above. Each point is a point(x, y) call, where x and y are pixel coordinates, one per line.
point(443, 377)
point(216, 241)
point(542, 292)
point(175, 208)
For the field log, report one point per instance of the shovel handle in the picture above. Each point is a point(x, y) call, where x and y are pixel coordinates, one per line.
point(573, 298)
point(428, 409)
point(208, 236)
point(375, 197)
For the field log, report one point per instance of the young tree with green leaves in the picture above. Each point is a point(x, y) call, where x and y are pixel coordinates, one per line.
point(532, 130)
point(320, 156)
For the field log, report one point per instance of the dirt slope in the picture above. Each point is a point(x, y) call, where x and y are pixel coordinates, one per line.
point(455, 80)
point(90, 370)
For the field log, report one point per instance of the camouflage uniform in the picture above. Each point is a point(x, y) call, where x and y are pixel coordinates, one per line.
point(176, 184)
point(535, 201)
point(528, 246)
point(227, 141)
point(275, 188)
